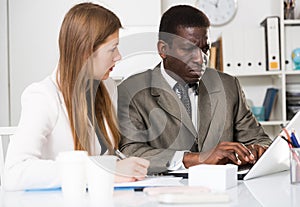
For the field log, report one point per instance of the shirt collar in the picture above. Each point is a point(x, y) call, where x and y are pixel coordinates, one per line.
point(171, 81)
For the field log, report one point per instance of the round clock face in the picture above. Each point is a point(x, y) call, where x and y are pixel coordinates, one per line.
point(219, 12)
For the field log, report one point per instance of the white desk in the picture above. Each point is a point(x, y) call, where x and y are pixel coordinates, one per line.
point(272, 190)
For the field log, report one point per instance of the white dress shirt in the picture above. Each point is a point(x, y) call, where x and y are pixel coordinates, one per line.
point(43, 131)
point(176, 162)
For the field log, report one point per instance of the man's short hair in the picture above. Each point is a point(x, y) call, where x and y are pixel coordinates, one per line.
point(181, 16)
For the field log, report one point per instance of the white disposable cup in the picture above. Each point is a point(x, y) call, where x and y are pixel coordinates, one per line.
point(100, 176)
point(72, 167)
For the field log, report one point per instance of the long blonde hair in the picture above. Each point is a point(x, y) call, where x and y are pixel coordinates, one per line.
point(84, 28)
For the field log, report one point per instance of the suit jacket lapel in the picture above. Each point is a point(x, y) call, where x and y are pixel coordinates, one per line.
point(210, 93)
point(165, 96)
point(204, 114)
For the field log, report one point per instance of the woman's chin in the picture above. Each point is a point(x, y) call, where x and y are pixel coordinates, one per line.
point(106, 76)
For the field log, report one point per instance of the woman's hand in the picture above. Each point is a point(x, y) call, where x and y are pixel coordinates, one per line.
point(131, 169)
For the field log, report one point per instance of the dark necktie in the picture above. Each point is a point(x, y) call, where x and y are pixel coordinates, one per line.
point(182, 93)
point(195, 87)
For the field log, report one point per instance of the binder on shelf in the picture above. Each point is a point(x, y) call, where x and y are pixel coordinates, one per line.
point(243, 51)
point(269, 101)
point(254, 51)
point(272, 41)
point(232, 50)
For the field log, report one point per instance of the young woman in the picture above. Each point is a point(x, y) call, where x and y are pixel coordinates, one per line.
point(72, 109)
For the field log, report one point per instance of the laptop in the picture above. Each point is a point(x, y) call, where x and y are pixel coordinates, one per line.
point(276, 157)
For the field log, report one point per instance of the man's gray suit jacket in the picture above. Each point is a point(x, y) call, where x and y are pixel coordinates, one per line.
point(154, 123)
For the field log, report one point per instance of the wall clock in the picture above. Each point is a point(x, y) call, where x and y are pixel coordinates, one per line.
point(219, 12)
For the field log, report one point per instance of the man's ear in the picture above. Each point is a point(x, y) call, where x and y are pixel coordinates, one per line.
point(162, 48)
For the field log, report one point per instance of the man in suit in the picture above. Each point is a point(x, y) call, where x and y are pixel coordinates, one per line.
point(182, 113)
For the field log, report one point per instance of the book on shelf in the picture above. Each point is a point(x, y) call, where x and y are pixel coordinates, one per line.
point(269, 101)
point(216, 57)
point(213, 57)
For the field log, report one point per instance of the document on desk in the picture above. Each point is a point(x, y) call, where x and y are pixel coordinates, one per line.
point(156, 181)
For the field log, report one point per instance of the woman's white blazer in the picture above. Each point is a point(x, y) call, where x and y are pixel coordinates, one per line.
point(43, 131)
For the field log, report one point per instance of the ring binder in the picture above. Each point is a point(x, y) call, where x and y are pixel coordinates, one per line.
point(272, 38)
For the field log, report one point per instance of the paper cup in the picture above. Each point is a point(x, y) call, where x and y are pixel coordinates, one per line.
point(100, 176)
point(72, 167)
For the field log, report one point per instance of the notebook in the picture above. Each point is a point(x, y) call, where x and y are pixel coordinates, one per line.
point(276, 157)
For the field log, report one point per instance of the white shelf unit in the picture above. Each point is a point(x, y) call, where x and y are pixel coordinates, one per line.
point(291, 22)
point(255, 87)
point(255, 81)
point(289, 32)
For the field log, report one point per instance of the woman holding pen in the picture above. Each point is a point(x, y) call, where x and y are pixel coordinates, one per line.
point(73, 108)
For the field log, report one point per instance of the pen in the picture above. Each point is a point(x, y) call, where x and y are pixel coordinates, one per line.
point(287, 134)
point(122, 157)
point(294, 140)
point(120, 154)
point(291, 145)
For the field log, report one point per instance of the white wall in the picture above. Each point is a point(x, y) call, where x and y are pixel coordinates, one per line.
point(4, 96)
point(34, 27)
point(33, 32)
point(249, 13)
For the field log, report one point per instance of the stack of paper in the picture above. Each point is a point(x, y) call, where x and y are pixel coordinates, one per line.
point(152, 182)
